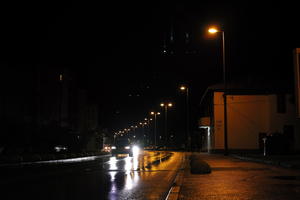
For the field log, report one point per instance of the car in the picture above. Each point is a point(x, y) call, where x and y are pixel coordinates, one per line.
point(60, 148)
point(123, 146)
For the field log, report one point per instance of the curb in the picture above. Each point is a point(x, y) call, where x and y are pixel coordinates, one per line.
point(174, 191)
point(55, 162)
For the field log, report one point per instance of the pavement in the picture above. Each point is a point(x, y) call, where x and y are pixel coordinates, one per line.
point(242, 177)
point(287, 161)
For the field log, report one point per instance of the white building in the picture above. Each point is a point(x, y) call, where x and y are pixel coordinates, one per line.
point(251, 115)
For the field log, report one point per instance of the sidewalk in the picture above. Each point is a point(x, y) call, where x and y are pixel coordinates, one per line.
point(287, 161)
point(233, 178)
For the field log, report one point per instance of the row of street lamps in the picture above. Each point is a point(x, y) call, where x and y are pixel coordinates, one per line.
point(186, 89)
point(164, 105)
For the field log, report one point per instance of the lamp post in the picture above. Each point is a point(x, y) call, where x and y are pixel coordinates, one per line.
point(143, 130)
point(214, 31)
point(148, 120)
point(145, 133)
point(61, 79)
point(166, 105)
point(187, 136)
point(133, 128)
point(115, 135)
point(155, 114)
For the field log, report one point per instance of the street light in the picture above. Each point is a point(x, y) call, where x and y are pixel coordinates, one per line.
point(213, 30)
point(188, 137)
point(166, 105)
point(148, 120)
point(61, 79)
point(155, 114)
point(133, 128)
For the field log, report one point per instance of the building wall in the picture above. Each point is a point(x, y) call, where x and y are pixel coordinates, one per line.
point(247, 116)
point(279, 120)
point(218, 129)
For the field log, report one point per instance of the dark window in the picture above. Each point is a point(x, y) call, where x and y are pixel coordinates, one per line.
point(281, 103)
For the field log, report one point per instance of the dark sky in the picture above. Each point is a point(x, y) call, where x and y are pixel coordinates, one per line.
point(116, 48)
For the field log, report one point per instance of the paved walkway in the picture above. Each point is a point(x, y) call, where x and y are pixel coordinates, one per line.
point(287, 161)
point(236, 179)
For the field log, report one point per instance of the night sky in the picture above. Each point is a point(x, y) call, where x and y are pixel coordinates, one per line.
point(116, 49)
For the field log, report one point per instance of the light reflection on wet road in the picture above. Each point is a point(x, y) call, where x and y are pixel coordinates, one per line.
point(141, 173)
point(144, 176)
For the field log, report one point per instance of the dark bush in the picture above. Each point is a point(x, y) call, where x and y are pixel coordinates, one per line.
point(198, 166)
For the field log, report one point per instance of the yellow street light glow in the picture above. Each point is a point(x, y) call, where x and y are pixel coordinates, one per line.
point(182, 88)
point(151, 119)
point(170, 104)
point(162, 105)
point(146, 119)
point(213, 30)
point(158, 113)
point(152, 113)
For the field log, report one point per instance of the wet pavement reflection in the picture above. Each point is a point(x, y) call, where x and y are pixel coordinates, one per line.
point(146, 175)
point(123, 174)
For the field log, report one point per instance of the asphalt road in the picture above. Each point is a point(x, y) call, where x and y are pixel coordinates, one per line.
point(144, 176)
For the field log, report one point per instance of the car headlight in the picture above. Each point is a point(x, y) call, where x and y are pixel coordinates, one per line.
point(127, 147)
point(135, 150)
point(113, 147)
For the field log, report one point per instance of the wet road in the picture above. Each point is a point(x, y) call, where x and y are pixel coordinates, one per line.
point(144, 176)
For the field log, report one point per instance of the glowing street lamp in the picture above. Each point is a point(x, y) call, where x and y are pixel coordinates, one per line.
point(166, 105)
point(133, 128)
point(214, 30)
point(188, 137)
point(147, 122)
point(155, 114)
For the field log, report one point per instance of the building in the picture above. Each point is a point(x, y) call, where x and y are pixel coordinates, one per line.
point(252, 114)
point(42, 106)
